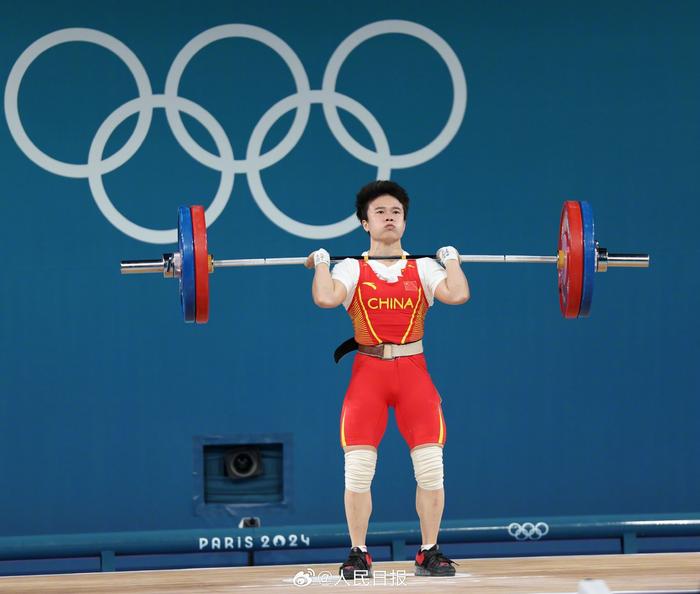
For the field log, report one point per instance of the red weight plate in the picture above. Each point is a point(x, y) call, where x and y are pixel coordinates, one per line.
point(201, 263)
point(571, 269)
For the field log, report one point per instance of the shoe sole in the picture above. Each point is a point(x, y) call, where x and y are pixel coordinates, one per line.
point(422, 571)
point(351, 575)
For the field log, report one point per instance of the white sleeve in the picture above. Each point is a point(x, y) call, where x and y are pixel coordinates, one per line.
point(347, 272)
point(431, 275)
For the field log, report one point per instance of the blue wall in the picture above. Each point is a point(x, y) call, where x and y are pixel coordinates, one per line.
point(104, 392)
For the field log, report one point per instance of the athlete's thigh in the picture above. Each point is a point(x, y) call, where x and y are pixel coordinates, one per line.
point(364, 414)
point(418, 410)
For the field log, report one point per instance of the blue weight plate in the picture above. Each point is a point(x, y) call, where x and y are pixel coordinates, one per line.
point(185, 240)
point(588, 260)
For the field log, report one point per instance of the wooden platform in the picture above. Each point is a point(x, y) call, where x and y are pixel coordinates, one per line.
point(678, 572)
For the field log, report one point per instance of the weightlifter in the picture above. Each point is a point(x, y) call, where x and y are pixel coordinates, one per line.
point(387, 301)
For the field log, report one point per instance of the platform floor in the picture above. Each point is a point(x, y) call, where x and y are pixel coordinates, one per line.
point(677, 572)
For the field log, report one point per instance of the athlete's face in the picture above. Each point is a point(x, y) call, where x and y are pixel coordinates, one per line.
point(385, 219)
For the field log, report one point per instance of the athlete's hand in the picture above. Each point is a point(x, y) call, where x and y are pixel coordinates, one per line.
point(444, 254)
point(320, 256)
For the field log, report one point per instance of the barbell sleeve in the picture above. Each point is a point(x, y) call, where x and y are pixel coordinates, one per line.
point(142, 266)
point(623, 261)
point(628, 260)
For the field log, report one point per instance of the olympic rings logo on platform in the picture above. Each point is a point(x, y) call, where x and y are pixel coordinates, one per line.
point(225, 163)
point(528, 530)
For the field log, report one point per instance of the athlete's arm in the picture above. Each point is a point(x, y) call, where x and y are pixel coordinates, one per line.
point(326, 291)
point(454, 290)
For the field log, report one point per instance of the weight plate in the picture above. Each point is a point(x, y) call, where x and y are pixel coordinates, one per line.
point(570, 269)
point(588, 259)
point(187, 279)
point(201, 263)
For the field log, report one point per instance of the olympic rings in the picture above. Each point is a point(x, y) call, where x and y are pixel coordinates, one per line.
point(459, 86)
point(528, 530)
point(283, 50)
point(256, 141)
point(110, 125)
point(224, 162)
point(12, 111)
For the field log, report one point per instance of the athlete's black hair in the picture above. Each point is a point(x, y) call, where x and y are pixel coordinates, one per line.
point(378, 188)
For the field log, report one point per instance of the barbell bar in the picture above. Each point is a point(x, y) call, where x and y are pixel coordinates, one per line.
point(578, 258)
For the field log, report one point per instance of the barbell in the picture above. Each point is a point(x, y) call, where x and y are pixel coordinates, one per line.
point(578, 258)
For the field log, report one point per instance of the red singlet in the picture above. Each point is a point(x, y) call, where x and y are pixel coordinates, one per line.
point(385, 312)
point(388, 312)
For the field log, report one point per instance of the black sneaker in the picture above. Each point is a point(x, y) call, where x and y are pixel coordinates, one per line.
point(433, 562)
point(358, 561)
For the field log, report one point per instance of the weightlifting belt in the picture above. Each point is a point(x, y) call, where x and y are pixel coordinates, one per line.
point(385, 351)
point(391, 351)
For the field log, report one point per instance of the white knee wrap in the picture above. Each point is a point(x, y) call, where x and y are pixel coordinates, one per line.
point(359, 470)
point(427, 466)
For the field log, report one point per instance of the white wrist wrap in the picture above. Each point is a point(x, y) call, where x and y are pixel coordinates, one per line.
point(427, 467)
point(321, 257)
point(359, 470)
point(447, 253)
